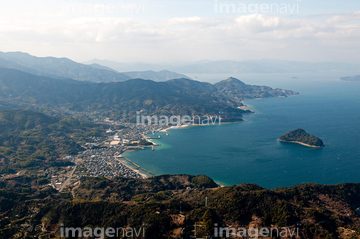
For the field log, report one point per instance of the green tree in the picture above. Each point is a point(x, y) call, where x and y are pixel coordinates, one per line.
point(208, 222)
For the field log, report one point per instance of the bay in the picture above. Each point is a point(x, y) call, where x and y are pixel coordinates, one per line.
point(249, 152)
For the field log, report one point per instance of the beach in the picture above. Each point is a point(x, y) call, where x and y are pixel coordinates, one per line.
point(297, 142)
point(175, 127)
point(131, 168)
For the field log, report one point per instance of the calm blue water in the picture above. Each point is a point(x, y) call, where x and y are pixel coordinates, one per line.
point(249, 152)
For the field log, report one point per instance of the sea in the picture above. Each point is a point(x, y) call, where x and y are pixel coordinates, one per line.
point(249, 151)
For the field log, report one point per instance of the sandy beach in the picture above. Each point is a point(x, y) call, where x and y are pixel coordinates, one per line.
point(297, 142)
point(131, 168)
point(175, 127)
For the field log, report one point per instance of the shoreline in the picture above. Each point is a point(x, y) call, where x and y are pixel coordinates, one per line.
point(177, 127)
point(301, 143)
point(137, 170)
point(196, 125)
point(220, 185)
point(174, 127)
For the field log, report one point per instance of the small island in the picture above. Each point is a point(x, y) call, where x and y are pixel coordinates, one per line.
point(300, 136)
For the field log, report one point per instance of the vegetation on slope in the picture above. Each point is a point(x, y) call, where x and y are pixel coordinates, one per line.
point(237, 89)
point(121, 99)
point(60, 68)
point(119, 189)
point(318, 211)
point(29, 139)
point(124, 99)
point(300, 135)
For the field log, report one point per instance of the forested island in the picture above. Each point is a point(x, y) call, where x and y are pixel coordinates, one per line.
point(300, 136)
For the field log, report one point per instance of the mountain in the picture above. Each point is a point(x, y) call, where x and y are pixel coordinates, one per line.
point(235, 67)
point(63, 68)
point(351, 78)
point(155, 76)
point(263, 66)
point(6, 106)
point(181, 96)
point(102, 67)
point(125, 67)
point(123, 99)
point(13, 120)
point(216, 67)
point(235, 88)
point(60, 68)
point(34, 140)
point(125, 189)
point(169, 206)
point(12, 65)
point(143, 71)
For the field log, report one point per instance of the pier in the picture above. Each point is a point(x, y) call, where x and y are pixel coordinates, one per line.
point(159, 137)
point(137, 166)
point(135, 148)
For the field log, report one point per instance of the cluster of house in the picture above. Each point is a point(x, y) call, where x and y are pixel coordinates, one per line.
point(106, 163)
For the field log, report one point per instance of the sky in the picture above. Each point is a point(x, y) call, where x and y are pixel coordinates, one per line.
point(159, 31)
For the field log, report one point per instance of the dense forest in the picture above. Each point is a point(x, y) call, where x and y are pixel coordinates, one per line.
point(33, 140)
point(167, 204)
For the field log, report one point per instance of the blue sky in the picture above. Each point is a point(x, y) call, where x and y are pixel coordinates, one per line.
point(170, 31)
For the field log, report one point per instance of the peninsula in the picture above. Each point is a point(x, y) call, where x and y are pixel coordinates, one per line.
point(300, 136)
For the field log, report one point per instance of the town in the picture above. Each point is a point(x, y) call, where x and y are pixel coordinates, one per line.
point(102, 157)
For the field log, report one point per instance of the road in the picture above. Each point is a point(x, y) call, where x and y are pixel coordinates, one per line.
point(70, 176)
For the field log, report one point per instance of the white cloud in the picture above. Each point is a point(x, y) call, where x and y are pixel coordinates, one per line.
point(344, 18)
point(193, 38)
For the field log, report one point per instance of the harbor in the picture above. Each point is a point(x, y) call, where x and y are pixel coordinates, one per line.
point(137, 167)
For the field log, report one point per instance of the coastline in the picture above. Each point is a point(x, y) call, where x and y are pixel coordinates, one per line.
point(165, 130)
point(174, 127)
point(137, 170)
point(178, 127)
point(196, 125)
point(298, 142)
point(244, 107)
point(220, 184)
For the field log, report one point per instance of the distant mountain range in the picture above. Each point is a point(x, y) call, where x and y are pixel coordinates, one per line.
point(234, 67)
point(156, 76)
point(123, 99)
point(55, 85)
point(125, 67)
point(351, 78)
point(104, 71)
point(264, 66)
point(60, 68)
point(63, 68)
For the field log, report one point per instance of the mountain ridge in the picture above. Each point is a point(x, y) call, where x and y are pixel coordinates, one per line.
point(173, 97)
point(310, 210)
point(61, 68)
point(163, 75)
point(235, 66)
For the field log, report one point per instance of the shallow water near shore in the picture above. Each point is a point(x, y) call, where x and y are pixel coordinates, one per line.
point(249, 152)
